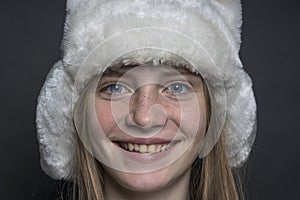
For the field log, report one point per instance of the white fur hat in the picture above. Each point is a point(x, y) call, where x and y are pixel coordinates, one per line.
point(196, 30)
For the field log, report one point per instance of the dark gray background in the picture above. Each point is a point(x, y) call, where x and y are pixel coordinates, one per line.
point(30, 38)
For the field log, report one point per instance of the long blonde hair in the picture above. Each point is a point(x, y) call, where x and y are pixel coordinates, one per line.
point(211, 177)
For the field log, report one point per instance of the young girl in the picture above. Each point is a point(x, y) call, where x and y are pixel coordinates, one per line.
point(150, 101)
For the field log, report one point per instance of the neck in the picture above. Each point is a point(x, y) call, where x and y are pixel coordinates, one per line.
point(175, 190)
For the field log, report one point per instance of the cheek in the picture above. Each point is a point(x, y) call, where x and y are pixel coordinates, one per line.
point(190, 117)
point(104, 116)
point(194, 125)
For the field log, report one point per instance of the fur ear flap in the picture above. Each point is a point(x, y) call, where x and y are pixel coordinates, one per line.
point(232, 10)
point(71, 4)
point(74, 4)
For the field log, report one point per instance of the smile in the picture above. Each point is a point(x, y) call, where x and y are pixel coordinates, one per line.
point(144, 148)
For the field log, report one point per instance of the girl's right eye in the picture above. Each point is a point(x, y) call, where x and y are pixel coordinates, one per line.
point(114, 89)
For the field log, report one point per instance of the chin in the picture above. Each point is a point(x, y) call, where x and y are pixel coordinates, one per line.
point(141, 182)
point(152, 181)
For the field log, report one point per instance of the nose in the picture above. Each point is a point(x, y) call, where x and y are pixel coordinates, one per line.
point(145, 110)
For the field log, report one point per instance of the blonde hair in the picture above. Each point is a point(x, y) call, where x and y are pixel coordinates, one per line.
point(211, 177)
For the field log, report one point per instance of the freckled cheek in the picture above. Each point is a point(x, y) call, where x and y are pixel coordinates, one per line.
point(104, 116)
point(191, 119)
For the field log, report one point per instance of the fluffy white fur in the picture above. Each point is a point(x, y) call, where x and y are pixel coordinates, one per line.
point(213, 24)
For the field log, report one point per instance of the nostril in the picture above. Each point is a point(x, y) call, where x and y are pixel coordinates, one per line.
point(156, 115)
point(142, 119)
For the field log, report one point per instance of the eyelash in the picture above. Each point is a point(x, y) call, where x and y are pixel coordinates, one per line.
point(186, 87)
point(107, 88)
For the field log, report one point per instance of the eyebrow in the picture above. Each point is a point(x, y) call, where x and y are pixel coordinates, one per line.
point(119, 73)
point(112, 73)
point(182, 70)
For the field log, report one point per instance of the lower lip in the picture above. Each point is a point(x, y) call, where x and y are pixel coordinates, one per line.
point(145, 157)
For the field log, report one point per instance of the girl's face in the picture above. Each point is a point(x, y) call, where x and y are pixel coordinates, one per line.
point(154, 119)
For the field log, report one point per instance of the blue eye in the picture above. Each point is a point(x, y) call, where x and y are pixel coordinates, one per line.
point(178, 88)
point(115, 89)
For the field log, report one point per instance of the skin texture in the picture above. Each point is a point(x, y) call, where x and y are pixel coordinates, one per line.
point(149, 105)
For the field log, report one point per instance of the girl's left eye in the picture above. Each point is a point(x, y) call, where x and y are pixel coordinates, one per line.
point(178, 88)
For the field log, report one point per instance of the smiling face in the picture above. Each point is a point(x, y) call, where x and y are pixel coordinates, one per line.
point(152, 121)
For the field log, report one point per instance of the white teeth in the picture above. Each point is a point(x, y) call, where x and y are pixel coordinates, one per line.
point(151, 148)
point(136, 147)
point(144, 148)
point(163, 148)
point(158, 148)
point(130, 147)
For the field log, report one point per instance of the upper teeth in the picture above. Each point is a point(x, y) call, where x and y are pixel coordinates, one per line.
point(144, 148)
